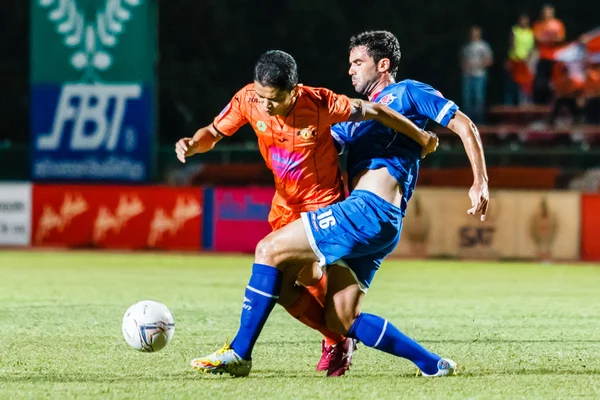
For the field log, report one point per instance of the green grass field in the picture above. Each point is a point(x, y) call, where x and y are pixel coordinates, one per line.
point(516, 330)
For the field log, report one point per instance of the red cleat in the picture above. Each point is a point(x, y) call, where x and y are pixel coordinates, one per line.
point(326, 353)
point(338, 358)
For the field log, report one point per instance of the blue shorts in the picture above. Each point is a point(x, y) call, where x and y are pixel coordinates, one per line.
point(357, 233)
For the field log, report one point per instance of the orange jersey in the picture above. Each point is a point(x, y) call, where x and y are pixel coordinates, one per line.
point(298, 148)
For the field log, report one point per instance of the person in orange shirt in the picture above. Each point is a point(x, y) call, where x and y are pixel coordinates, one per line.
point(549, 33)
point(292, 123)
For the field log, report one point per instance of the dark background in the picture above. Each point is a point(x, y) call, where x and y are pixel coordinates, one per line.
point(208, 47)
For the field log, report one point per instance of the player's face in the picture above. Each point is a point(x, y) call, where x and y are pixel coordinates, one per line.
point(273, 100)
point(363, 70)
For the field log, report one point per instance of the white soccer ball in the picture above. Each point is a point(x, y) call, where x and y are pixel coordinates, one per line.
point(148, 326)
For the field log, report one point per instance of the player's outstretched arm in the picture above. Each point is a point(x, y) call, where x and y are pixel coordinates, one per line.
point(468, 133)
point(365, 110)
point(204, 140)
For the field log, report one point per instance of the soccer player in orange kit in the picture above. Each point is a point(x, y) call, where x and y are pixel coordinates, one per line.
point(292, 123)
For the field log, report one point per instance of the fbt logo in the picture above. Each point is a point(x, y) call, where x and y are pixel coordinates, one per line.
point(96, 113)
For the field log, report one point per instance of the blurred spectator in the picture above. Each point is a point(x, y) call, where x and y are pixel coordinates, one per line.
point(549, 33)
point(568, 90)
point(476, 57)
point(592, 94)
point(518, 77)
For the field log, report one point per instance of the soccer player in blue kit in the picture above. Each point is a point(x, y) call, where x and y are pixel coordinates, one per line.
point(354, 236)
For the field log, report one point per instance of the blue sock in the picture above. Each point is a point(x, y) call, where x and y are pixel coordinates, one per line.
point(260, 297)
point(377, 332)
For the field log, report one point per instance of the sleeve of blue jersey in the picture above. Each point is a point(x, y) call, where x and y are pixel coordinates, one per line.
point(430, 103)
point(340, 137)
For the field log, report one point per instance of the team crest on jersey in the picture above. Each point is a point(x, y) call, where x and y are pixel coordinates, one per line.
point(261, 126)
point(387, 99)
point(307, 133)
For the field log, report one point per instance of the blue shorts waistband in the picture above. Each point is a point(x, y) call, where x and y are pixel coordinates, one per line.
point(378, 200)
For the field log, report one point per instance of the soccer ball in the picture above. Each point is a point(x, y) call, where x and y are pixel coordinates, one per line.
point(148, 326)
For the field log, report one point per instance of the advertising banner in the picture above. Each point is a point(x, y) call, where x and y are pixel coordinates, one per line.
point(590, 227)
point(549, 225)
point(239, 218)
point(524, 225)
point(92, 89)
point(117, 217)
point(15, 214)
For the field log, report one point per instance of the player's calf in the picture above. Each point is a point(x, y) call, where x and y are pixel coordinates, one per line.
point(343, 299)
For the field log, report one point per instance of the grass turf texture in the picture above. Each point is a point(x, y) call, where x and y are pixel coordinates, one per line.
point(516, 330)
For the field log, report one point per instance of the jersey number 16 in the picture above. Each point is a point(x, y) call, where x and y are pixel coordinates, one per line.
point(326, 219)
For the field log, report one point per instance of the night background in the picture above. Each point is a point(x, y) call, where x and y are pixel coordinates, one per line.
point(207, 48)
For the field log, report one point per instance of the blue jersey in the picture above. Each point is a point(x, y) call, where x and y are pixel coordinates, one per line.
point(371, 145)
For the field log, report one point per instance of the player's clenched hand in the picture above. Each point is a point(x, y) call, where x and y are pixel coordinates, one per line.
point(480, 199)
point(184, 148)
point(431, 145)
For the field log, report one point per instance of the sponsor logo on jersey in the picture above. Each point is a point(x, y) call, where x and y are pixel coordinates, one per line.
point(387, 99)
point(261, 126)
point(307, 134)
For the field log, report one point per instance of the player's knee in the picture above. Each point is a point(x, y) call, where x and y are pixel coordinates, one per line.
point(268, 251)
point(264, 251)
point(289, 292)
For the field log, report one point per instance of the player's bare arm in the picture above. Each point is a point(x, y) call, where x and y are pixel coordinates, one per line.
point(203, 140)
point(366, 110)
point(469, 135)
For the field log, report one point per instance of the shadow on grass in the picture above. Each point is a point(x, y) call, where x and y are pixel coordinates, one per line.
point(283, 343)
point(192, 376)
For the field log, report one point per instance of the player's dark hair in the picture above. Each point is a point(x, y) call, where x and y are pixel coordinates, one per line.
point(379, 45)
point(276, 69)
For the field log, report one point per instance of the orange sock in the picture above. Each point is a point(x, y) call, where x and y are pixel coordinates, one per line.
point(311, 313)
point(318, 289)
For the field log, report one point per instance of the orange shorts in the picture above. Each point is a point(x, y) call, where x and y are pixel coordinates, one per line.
point(280, 216)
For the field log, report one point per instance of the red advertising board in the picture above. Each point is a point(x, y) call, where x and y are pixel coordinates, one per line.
point(240, 218)
point(590, 227)
point(117, 217)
